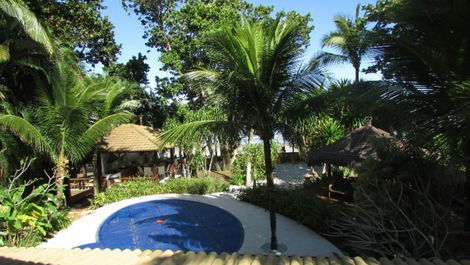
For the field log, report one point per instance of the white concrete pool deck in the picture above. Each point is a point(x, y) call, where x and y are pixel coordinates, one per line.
point(299, 239)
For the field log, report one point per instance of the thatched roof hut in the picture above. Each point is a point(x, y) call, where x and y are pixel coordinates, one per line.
point(130, 138)
point(351, 149)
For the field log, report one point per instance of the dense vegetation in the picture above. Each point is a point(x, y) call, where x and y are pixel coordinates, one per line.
point(239, 70)
point(143, 187)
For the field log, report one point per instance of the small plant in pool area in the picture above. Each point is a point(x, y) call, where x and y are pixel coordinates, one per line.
point(143, 187)
point(28, 212)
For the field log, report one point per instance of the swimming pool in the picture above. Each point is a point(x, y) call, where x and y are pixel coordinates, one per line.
point(171, 224)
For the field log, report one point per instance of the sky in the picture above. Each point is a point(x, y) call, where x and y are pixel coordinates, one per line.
point(129, 31)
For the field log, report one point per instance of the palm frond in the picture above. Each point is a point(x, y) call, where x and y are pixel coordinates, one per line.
point(100, 128)
point(115, 92)
point(194, 129)
point(327, 58)
point(30, 24)
point(25, 131)
point(334, 39)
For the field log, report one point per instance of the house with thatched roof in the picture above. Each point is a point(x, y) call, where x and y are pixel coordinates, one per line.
point(130, 150)
point(128, 138)
point(352, 148)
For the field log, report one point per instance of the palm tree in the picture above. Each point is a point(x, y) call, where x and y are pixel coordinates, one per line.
point(27, 51)
point(66, 124)
point(351, 39)
point(20, 19)
point(256, 74)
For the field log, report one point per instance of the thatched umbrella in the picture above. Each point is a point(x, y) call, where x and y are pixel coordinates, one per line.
point(351, 149)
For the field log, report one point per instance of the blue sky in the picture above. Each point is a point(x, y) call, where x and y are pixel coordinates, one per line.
point(129, 32)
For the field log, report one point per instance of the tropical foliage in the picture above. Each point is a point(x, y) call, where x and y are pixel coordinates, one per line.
point(236, 72)
point(314, 132)
point(28, 216)
point(80, 26)
point(67, 111)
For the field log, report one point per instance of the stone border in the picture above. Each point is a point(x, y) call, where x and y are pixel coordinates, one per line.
point(299, 239)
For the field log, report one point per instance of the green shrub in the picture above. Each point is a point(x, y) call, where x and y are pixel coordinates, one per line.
point(296, 204)
point(29, 213)
point(143, 187)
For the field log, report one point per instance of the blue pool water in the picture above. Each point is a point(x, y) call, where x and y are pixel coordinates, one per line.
point(171, 224)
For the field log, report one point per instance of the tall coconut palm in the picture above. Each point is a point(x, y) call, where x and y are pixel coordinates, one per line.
point(351, 39)
point(65, 124)
point(257, 74)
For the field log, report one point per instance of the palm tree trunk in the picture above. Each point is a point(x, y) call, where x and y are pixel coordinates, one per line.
point(356, 72)
point(270, 190)
point(248, 164)
point(60, 173)
point(227, 156)
point(467, 197)
point(97, 172)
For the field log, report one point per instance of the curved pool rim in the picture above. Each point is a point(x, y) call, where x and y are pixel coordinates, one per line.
point(300, 240)
point(213, 228)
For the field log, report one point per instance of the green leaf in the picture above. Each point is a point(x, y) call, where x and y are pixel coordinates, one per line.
point(30, 24)
point(18, 194)
point(4, 52)
point(41, 230)
point(4, 211)
point(26, 131)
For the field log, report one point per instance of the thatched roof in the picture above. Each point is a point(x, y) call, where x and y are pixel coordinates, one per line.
point(130, 138)
point(351, 149)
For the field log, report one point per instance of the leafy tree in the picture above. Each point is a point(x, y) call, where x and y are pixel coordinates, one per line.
point(26, 53)
point(79, 25)
point(257, 74)
point(351, 39)
point(177, 28)
point(135, 70)
point(153, 109)
point(425, 49)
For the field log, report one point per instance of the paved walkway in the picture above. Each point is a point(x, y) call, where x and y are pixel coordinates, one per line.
point(300, 240)
point(288, 175)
